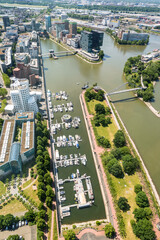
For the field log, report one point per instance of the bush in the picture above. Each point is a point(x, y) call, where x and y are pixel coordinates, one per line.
point(141, 213)
point(115, 168)
point(70, 235)
point(98, 223)
point(100, 109)
point(119, 139)
point(142, 200)
point(123, 204)
point(109, 231)
point(137, 188)
point(104, 142)
point(143, 229)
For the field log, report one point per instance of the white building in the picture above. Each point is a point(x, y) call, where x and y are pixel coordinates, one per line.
point(22, 99)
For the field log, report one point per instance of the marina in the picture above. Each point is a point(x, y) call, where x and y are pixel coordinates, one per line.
point(67, 158)
point(80, 196)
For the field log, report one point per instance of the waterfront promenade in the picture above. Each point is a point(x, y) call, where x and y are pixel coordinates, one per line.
point(97, 151)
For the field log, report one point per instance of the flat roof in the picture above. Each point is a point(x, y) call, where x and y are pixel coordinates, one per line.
point(24, 116)
point(9, 141)
point(23, 137)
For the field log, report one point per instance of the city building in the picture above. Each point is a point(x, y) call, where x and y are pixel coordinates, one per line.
point(134, 36)
point(14, 152)
point(22, 99)
point(48, 22)
point(91, 40)
point(6, 22)
point(73, 28)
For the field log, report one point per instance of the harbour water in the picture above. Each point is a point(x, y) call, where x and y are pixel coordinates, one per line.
point(142, 124)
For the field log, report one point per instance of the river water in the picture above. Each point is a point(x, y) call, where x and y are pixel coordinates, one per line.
point(141, 123)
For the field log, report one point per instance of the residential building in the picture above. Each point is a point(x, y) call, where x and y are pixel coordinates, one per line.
point(134, 36)
point(6, 22)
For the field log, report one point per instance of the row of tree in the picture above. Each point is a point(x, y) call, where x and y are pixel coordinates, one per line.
point(45, 191)
point(80, 16)
point(142, 225)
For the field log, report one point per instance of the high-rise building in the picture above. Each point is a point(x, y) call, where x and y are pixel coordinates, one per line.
point(33, 24)
point(73, 28)
point(91, 40)
point(6, 22)
point(66, 24)
point(21, 98)
point(86, 41)
point(48, 22)
point(97, 39)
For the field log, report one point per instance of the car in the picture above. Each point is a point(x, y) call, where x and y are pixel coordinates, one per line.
point(20, 223)
point(26, 222)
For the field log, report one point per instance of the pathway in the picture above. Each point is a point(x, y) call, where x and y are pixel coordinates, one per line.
point(100, 170)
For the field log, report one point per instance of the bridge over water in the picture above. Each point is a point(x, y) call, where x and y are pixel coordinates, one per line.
point(53, 54)
point(114, 91)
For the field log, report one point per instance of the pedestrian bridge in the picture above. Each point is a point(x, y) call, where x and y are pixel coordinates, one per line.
point(114, 91)
point(53, 54)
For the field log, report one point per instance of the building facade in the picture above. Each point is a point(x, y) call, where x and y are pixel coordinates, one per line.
point(6, 22)
point(48, 22)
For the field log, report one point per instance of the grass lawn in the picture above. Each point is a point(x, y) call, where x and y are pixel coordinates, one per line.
point(107, 132)
point(49, 213)
point(32, 193)
point(14, 207)
point(27, 183)
point(125, 188)
point(92, 104)
point(2, 188)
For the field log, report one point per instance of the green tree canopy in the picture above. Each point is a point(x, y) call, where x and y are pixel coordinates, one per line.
point(70, 235)
point(123, 204)
point(119, 139)
point(109, 230)
point(142, 200)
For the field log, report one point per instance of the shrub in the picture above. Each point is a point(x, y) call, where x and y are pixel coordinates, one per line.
point(109, 231)
point(119, 139)
point(142, 200)
point(123, 204)
point(137, 188)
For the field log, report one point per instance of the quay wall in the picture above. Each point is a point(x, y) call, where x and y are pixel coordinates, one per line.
point(49, 123)
point(154, 191)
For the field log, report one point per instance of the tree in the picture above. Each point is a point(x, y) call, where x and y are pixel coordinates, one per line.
point(101, 54)
point(47, 179)
point(130, 164)
point(41, 195)
point(49, 202)
point(123, 204)
point(70, 235)
point(3, 92)
point(109, 230)
point(119, 139)
point(1, 222)
point(143, 229)
point(8, 220)
point(42, 214)
point(142, 200)
point(115, 168)
point(141, 213)
point(100, 109)
point(49, 192)
point(137, 188)
point(38, 116)
point(30, 216)
point(41, 224)
point(14, 237)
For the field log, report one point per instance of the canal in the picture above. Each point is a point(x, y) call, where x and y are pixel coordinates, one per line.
point(142, 125)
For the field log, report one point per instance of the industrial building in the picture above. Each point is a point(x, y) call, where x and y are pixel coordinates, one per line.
point(16, 151)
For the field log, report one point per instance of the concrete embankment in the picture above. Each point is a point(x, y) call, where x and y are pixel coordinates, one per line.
point(107, 198)
point(136, 150)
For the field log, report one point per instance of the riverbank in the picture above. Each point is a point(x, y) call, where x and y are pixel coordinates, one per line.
point(71, 49)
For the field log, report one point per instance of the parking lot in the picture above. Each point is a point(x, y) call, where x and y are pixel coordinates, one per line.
point(28, 232)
